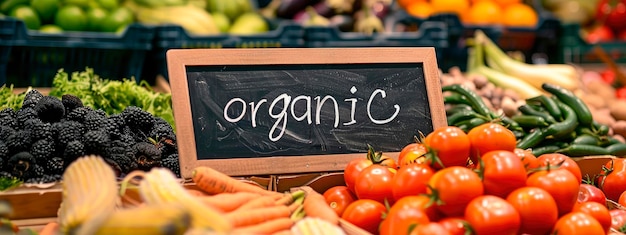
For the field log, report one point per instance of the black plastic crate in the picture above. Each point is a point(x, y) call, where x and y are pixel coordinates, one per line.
point(430, 34)
point(574, 49)
point(539, 44)
point(35, 57)
point(281, 34)
point(7, 33)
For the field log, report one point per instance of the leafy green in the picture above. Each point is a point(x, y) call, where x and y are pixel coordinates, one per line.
point(112, 96)
point(9, 183)
point(10, 98)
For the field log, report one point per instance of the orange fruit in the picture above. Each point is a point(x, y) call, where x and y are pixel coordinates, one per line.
point(420, 9)
point(519, 15)
point(484, 12)
point(450, 6)
point(404, 4)
point(506, 3)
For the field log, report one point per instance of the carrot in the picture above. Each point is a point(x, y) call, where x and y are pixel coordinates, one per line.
point(267, 227)
point(258, 215)
point(215, 182)
point(315, 205)
point(289, 198)
point(283, 232)
point(51, 228)
point(259, 202)
point(227, 202)
point(196, 192)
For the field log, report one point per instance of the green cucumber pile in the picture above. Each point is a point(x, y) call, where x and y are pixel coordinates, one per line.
point(556, 123)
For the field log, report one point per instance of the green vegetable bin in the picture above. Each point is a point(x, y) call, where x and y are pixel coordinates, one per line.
point(34, 57)
point(284, 33)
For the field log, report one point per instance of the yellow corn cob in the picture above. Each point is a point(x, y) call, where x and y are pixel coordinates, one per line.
point(315, 226)
point(165, 219)
point(89, 194)
point(160, 186)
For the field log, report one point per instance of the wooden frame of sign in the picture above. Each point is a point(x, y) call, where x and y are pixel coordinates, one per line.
point(212, 89)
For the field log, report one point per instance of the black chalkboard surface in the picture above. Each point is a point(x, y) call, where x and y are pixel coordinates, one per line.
point(266, 111)
point(316, 109)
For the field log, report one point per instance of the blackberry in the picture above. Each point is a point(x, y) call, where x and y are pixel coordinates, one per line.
point(73, 150)
point(5, 132)
point(55, 166)
point(38, 129)
point(31, 98)
point(4, 152)
point(138, 119)
point(24, 114)
point(121, 163)
point(78, 114)
point(163, 130)
point(171, 162)
point(146, 155)
point(5, 174)
point(96, 142)
point(67, 131)
point(101, 112)
point(44, 179)
point(19, 141)
point(7, 117)
point(50, 109)
point(42, 149)
point(22, 165)
point(38, 171)
point(93, 121)
point(70, 102)
point(118, 119)
point(111, 127)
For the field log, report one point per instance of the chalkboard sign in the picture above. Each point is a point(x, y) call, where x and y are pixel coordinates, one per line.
point(278, 111)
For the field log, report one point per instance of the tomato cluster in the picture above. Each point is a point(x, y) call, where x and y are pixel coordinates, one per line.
point(452, 182)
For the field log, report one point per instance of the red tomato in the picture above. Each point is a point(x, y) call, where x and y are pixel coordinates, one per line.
point(622, 199)
point(620, 93)
point(560, 183)
point(353, 169)
point(612, 14)
point(404, 215)
point(537, 209)
point(455, 225)
point(413, 152)
point(455, 187)
point(530, 161)
point(577, 223)
point(450, 145)
point(503, 172)
point(489, 214)
point(374, 183)
point(618, 219)
point(590, 193)
point(600, 34)
point(598, 211)
point(411, 180)
point(338, 198)
point(488, 137)
point(429, 229)
point(566, 162)
point(365, 213)
point(613, 184)
point(418, 201)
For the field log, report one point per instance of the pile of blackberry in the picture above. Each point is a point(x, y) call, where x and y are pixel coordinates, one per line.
point(38, 141)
